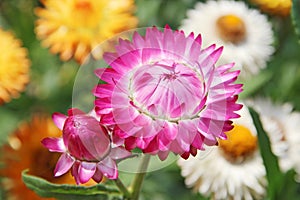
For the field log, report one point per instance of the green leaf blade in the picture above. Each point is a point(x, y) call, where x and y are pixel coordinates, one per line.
point(274, 174)
point(295, 15)
point(64, 191)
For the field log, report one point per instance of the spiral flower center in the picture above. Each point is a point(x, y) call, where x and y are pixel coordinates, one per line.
point(231, 28)
point(163, 90)
point(240, 145)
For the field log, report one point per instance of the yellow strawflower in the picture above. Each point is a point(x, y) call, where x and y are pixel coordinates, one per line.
point(274, 7)
point(73, 28)
point(14, 67)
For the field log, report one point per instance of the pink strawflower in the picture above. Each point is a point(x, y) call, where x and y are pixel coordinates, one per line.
point(85, 146)
point(163, 93)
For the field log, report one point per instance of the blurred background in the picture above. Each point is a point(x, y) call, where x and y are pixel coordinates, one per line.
point(47, 76)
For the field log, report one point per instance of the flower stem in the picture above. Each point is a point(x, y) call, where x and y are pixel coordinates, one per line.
point(122, 188)
point(139, 177)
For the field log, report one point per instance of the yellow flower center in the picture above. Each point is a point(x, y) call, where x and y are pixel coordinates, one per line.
point(85, 15)
point(83, 6)
point(240, 145)
point(231, 28)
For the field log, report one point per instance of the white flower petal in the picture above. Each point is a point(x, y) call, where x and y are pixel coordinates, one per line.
point(250, 55)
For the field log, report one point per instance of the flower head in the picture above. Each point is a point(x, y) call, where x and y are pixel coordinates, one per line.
point(281, 125)
point(245, 33)
point(274, 7)
point(73, 28)
point(163, 93)
point(24, 151)
point(14, 67)
point(232, 170)
point(85, 146)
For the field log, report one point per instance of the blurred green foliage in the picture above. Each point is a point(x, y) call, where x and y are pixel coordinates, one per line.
point(50, 87)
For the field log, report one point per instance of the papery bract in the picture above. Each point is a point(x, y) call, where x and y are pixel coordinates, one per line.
point(85, 146)
point(163, 93)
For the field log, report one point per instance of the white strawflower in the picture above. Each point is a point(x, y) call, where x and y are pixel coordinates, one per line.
point(232, 170)
point(245, 33)
point(282, 126)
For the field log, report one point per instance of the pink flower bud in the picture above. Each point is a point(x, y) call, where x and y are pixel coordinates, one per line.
point(86, 148)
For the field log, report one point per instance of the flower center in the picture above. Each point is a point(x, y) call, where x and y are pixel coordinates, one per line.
point(170, 76)
point(240, 145)
point(164, 89)
point(231, 29)
point(83, 6)
point(84, 15)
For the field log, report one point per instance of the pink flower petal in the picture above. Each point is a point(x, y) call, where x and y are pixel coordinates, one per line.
point(163, 142)
point(195, 48)
point(59, 120)
point(107, 74)
point(109, 168)
point(180, 42)
point(54, 144)
point(75, 172)
point(130, 143)
point(198, 39)
point(63, 164)
point(153, 37)
point(224, 68)
point(143, 142)
point(138, 40)
point(97, 176)
point(215, 55)
point(75, 111)
point(86, 171)
point(198, 142)
point(168, 40)
point(131, 58)
point(167, 133)
point(124, 47)
point(163, 155)
point(103, 90)
point(119, 153)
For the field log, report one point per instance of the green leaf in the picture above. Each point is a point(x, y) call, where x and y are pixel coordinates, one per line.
point(252, 85)
point(74, 192)
point(274, 175)
point(289, 186)
point(295, 14)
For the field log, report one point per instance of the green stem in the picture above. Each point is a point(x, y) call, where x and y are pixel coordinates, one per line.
point(139, 177)
point(122, 188)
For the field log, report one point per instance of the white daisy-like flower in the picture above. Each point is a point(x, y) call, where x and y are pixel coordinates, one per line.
point(245, 33)
point(232, 170)
point(282, 126)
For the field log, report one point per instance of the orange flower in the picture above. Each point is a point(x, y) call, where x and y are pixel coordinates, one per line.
point(14, 67)
point(73, 28)
point(274, 7)
point(25, 151)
